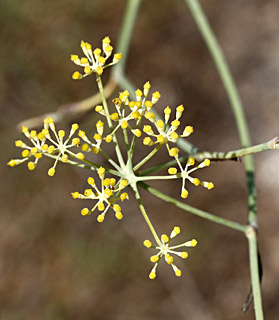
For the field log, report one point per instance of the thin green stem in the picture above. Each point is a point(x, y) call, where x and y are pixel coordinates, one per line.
point(117, 148)
point(125, 36)
point(193, 210)
point(148, 178)
point(144, 213)
point(270, 145)
point(147, 158)
point(111, 161)
point(254, 270)
point(241, 122)
point(129, 154)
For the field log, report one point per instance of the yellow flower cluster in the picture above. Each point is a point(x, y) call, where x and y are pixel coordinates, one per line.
point(94, 60)
point(98, 137)
point(185, 173)
point(127, 110)
point(167, 252)
point(107, 196)
point(44, 144)
point(166, 133)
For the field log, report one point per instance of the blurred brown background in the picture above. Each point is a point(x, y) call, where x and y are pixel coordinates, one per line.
point(56, 264)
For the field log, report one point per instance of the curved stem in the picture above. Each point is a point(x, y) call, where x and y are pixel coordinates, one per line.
point(144, 213)
point(117, 148)
point(242, 127)
point(125, 36)
point(193, 210)
point(270, 145)
point(148, 157)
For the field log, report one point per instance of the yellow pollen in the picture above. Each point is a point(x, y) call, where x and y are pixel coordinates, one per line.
point(180, 108)
point(84, 212)
point(76, 75)
point(152, 275)
point(76, 141)
point(137, 133)
point(84, 147)
point(191, 161)
point(75, 195)
point(18, 143)
point(167, 110)
point(91, 181)
point(75, 126)
point(178, 273)
point(97, 136)
point(31, 166)
point(172, 170)
point(98, 108)
point(119, 215)
point(25, 153)
point(147, 243)
point(194, 242)
point(165, 238)
point(108, 192)
point(184, 194)
point(196, 181)
point(97, 52)
point(160, 138)
point(106, 182)
point(173, 152)
point(101, 206)
point(74, 57)
point(124, 196)
point(116, 208)
point(160, 123)
point(175, 123)
point(88, 192)
point(108, 138)
point(154, 258)
point(51, 172)
point(87, 70)
point(61, 133)
point(124, 183)
point(80, 156)
point(124, 124)
point(100, 218)
point(114, 116)
point(184, 255)
point(169, 259)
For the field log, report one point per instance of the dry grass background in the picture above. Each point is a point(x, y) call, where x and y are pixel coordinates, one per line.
point(56, 264)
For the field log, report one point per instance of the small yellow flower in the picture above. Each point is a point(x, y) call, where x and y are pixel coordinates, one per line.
point(59, 149)
point(95, 60)
point(167, 252)
point(106, 196)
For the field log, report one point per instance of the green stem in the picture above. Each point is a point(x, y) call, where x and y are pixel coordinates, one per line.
point(270, 145)
point(170, 177)
point(111, 161)
point(193, 210)
point(229, 155)
point(125, 36)
point(254, 270)
point(144, 213)
point(117, 148)
point(148, 157)
point(242, 127)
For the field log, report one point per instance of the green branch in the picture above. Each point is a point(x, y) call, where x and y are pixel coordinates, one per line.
point(193, 210)
point(242, 127)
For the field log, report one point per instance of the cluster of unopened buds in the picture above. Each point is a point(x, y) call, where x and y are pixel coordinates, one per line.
point(134, 118)
point(166, 251)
